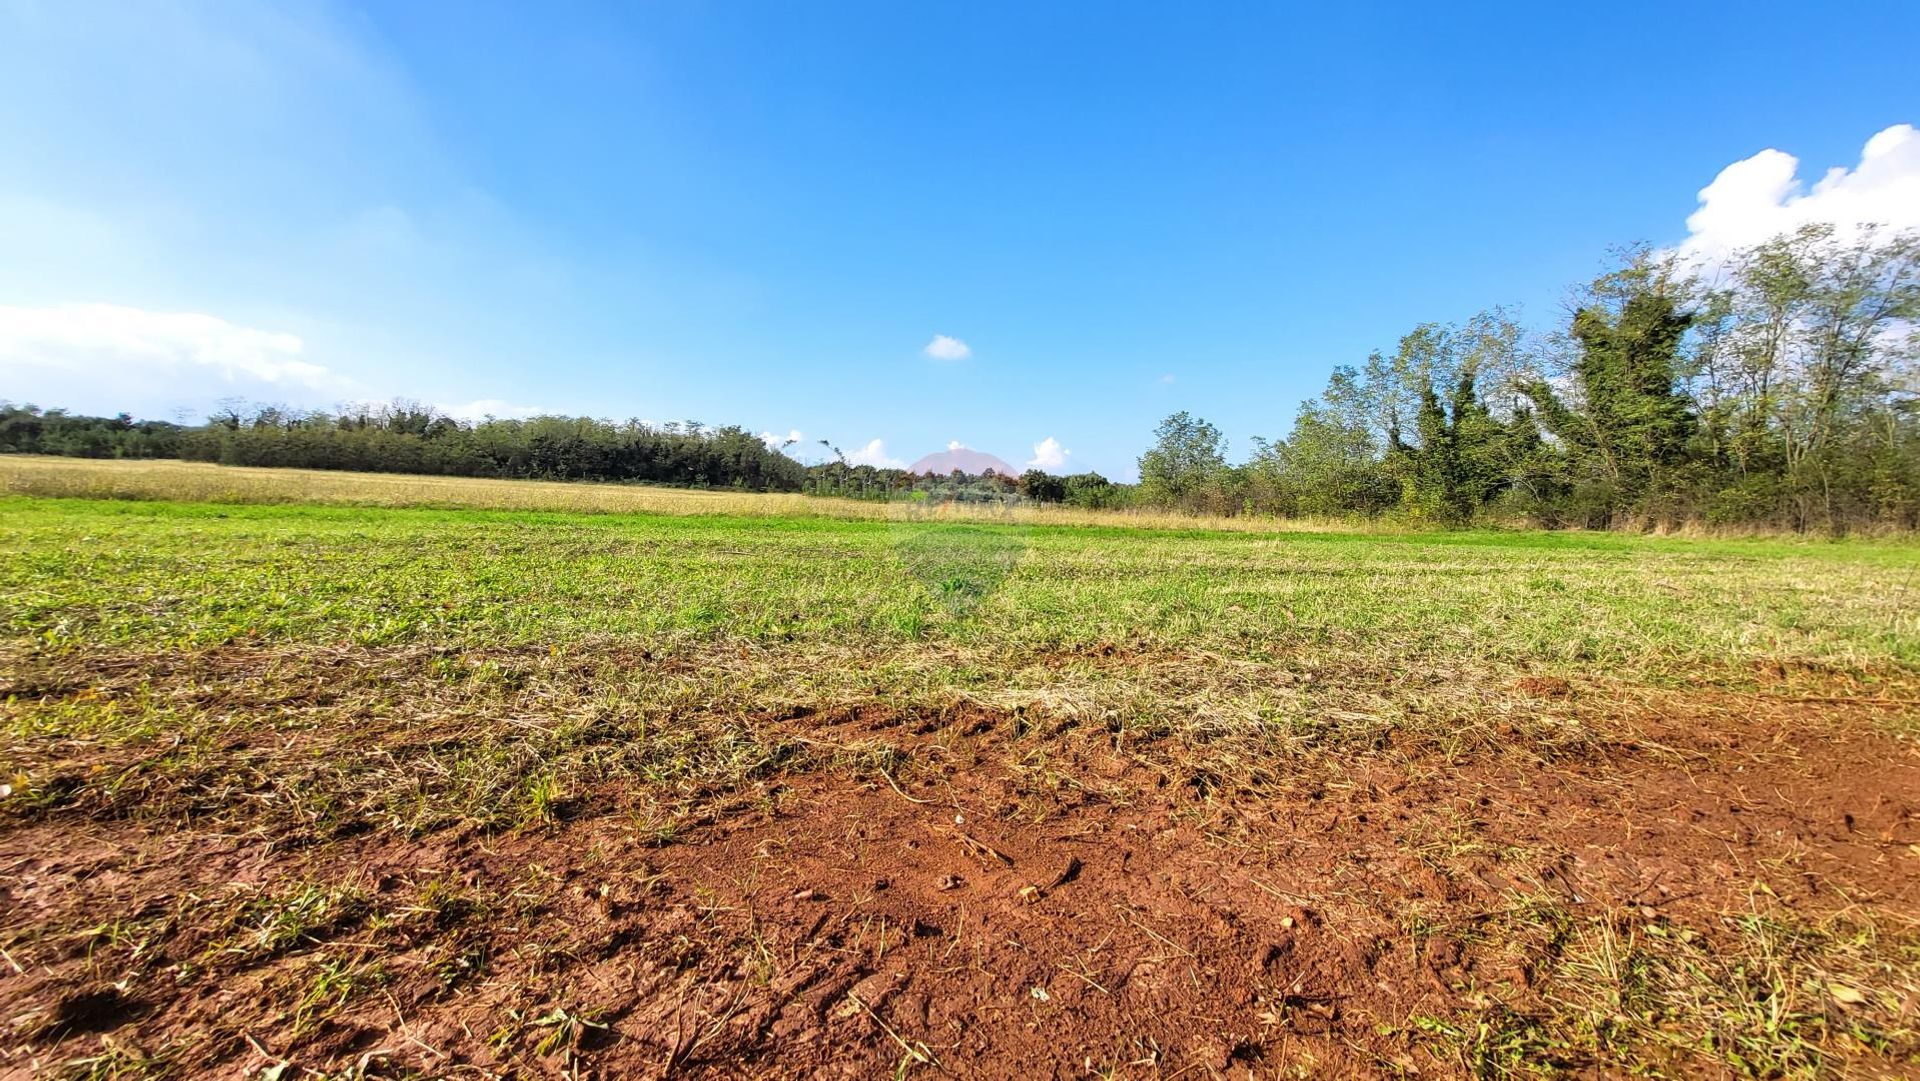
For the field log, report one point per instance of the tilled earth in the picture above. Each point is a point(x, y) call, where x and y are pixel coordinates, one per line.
point(1691, 882)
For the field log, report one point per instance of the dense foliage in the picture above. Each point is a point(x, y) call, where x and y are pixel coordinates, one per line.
point(1782, 392)
point(26, 430)
point(404, 438)
point(1085, 490)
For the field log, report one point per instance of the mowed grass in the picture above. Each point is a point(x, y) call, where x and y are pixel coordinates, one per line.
point(315, 677)
point(137, 574)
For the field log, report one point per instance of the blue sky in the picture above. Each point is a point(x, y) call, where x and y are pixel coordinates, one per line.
point(763, 213)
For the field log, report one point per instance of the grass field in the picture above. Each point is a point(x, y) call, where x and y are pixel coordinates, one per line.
point(337, 776)
point(83, 478)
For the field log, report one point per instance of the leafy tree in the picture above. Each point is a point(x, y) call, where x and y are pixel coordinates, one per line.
point(1453, 461)
point(1329, 466)
point(1093, 491)
point(1626, 422)
point(1186, 461)
point(1810, 376)
point(1042, 487)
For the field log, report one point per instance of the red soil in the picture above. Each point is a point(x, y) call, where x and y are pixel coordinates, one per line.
point(827, 926)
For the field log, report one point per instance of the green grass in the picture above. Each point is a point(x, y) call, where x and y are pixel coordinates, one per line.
point(316, 677)
point(141, 575)
point(382, 648)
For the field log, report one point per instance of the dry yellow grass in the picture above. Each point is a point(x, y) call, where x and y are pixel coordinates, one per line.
point(201, 482)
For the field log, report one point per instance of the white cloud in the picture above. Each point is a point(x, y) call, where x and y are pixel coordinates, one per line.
point(945, 347)
point(105, 342)
point(1048, 454)
point(1758, 198)
point(774, 440)
point(955, 444)
point(483, 408)
point(1167, 378)
point(875, 454)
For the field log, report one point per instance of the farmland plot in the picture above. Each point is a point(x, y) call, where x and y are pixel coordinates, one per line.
point(388, 792)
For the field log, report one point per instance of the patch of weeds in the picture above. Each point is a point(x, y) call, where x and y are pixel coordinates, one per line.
point(467, 963)
point(446, 901)
point(540, 800)
point(558, 1031)
point(1498, 1043)
point(328, 990)
point(117, 1060)
point(1764, 996)
point(1777, 997)
point(32, 795)
point(270, 925)
point(657, 826)
point(133, 938)
point(563, 1029)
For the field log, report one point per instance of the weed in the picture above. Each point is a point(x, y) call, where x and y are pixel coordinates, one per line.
point(332, 985)
point(291, 917)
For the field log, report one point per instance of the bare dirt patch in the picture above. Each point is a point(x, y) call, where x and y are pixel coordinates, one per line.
point(980, 893)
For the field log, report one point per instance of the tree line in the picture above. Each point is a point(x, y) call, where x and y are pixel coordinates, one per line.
point(838, 477)
point(25, 429)
point(1782, 391)
point(404, 437)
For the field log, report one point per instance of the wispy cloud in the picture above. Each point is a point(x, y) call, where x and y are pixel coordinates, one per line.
point(189, 356)
point(946, 347)
point(1048, 454)
point(774, 440)
point(1758, 198)
point(875, 454)
point(106, 342)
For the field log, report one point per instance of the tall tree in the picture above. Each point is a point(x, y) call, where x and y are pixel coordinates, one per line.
point(1450, 463)
point(1623, 415)
point(1186, 460)
point(1819, 349)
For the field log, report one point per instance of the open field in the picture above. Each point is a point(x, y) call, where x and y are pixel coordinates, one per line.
point(84, 478)
point(721, 790)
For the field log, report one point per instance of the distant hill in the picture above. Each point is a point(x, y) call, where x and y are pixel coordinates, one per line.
point(965, 459)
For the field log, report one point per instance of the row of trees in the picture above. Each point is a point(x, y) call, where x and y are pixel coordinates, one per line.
point(404, 437)
point(1782, 391)
point(27, 430)
point(408, 438)
point(839, 478)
